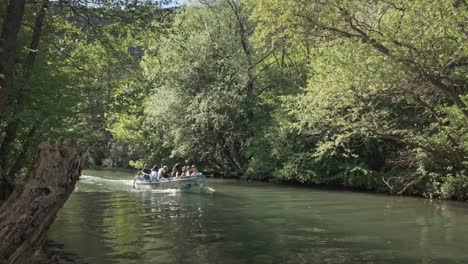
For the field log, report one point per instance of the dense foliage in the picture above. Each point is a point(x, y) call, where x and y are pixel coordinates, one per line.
point(385, 100)
point(75, 64)
point(370, 95)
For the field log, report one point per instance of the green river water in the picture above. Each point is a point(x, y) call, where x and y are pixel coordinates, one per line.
point(106, 221)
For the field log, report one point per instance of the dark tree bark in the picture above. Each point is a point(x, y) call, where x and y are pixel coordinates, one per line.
point(8, 43)
point(26, 216)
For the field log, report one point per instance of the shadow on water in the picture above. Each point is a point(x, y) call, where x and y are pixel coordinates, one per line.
point(54, 253)
point(106, 221)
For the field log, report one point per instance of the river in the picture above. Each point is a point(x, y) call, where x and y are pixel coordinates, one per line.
point(106, 221)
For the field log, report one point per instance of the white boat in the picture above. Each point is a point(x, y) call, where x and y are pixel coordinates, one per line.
point(193, 183)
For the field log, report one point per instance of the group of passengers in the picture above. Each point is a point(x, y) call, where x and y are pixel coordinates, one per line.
point(157, 173)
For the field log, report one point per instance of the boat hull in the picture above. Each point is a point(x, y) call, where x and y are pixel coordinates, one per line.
point(195, 184)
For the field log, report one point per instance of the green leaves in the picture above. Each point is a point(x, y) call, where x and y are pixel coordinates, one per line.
point(364, 94)
point(375, 79)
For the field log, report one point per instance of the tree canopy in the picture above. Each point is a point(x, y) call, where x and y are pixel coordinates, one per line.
point(370, 95)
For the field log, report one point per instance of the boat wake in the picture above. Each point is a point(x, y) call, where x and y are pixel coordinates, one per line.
point(99, 180)
point(90, 183)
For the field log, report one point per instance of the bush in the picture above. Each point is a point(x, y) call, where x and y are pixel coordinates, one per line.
point(455, 187)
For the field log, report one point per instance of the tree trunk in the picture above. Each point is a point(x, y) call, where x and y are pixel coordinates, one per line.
point(28, 213)
point(8, 43)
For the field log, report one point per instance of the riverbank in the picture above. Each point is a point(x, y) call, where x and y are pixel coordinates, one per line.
point(417, 190)
point(376, 185)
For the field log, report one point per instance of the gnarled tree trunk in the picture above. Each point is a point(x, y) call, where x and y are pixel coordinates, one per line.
point(29, 211)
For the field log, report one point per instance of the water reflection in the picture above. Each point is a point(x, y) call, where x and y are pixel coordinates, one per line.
point(256, 223)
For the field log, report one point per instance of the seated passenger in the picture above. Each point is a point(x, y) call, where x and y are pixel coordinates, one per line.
point(167, 173)
point(162, 172)
point(184, 170)
point(194, 170)
point(146, 169)
point(188, 171)
point(154, 172)
point(175, 170)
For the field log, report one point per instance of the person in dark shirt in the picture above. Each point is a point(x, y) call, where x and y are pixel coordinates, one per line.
point(146, 169)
